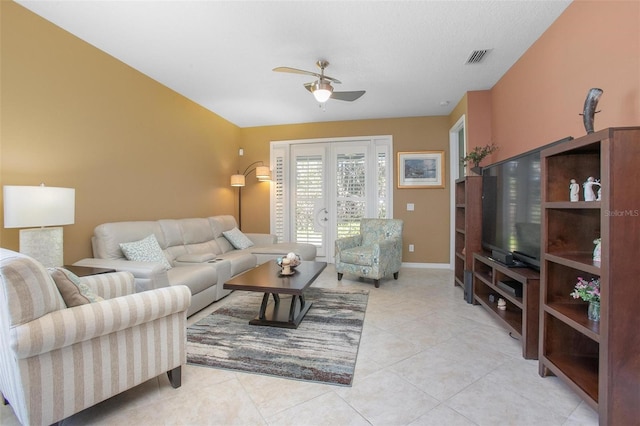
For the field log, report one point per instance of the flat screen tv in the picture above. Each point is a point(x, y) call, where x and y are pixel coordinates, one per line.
point(511, 207)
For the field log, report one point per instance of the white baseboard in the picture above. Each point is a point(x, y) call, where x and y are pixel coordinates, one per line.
point(427, 265)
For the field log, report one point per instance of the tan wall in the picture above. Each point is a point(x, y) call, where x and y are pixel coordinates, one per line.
point(427, 227)
point(592, 44)
point(73, 116)
point(458, 111)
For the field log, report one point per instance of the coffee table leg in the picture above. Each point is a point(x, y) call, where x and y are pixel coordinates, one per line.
point(263, 306)
point(302, 301)
point(292, 309)
point(277, 318)
point(265, 302)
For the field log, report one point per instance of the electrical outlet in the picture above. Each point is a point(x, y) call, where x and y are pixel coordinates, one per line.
point(411, 248)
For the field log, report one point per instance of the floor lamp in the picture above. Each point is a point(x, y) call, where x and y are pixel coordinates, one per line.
point(238, 180)
point(40, 206)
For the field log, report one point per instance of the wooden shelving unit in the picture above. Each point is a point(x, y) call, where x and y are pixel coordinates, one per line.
point(599, 360)
point(468, 228)
point(522, 313)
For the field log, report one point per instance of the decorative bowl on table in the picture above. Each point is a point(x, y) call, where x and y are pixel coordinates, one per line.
point(294, 260)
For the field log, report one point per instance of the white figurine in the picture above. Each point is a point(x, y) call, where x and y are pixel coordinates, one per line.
point(597, 250)
point(502, 304)
point(574, 191)
point(589, 193)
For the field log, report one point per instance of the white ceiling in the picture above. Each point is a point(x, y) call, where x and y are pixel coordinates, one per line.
point(408, 55)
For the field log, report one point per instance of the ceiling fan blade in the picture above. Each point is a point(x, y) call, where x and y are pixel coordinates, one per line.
point(347, 96)
point(297, 71)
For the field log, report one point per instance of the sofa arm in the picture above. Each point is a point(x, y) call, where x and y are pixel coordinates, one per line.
point(262, 239)
point(148, 275)
point(66, 327)
point(112, 285)
point(392, 249)
point(348, 242)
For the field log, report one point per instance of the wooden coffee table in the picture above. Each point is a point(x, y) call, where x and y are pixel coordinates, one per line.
point(266, 278)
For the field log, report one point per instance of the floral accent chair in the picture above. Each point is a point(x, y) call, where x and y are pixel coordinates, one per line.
point(375, 253)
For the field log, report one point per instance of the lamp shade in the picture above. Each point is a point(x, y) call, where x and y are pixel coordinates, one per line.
point(263, 173)
point(237, 180)
point(31, 206)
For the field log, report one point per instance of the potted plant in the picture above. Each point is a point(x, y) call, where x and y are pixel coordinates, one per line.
point(477, 155)
point(589, 291)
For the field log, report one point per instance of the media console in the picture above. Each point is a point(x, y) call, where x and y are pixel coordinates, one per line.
point(521, 316)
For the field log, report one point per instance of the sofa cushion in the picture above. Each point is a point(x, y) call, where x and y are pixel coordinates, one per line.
point(219, 224)
point(305, 251)
point(73, 291)
point(108, 236)
point(240, 261)
point(238, 239)
point(197, 277)
point(145, 250)
point(195, 257)
point(361, 255)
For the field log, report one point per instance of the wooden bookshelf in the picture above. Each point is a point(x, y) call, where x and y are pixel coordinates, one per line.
point(468, 229)
point(599, 360)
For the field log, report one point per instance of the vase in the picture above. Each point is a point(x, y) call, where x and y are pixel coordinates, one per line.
point(594, 311)
point(477, 170)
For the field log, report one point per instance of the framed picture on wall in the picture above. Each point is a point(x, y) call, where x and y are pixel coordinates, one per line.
point(421, 169)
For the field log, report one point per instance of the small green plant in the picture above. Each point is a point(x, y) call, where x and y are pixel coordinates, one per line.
point(478, 153)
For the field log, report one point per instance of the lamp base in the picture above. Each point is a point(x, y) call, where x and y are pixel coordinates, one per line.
point(43, 244)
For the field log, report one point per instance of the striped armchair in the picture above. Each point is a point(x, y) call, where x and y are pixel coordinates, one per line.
point(56, 361)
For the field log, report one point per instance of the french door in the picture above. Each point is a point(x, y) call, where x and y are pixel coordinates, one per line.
point(322, 188)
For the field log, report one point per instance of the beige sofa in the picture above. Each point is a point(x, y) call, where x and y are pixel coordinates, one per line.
point(199, 254)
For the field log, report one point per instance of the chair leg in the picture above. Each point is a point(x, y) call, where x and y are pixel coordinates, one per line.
point(339, 276)
point(376, 283)
point(395, 275)
point(4, 400)
point(175, 377)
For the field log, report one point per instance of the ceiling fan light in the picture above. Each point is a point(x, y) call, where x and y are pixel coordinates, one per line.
point(322, 91)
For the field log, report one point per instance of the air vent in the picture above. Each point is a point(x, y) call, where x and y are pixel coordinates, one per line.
point(477, 56)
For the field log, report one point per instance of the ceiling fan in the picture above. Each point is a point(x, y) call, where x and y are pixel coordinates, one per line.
point(321, 88)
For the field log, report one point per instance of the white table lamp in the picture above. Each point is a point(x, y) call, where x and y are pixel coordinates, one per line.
point(40, 206)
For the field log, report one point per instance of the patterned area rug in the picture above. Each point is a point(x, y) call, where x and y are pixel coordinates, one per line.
point(323, 348)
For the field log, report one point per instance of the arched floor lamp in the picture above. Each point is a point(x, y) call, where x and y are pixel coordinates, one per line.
point(263, 173)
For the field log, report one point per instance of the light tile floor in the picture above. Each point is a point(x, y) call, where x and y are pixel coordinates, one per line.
point(426, 358)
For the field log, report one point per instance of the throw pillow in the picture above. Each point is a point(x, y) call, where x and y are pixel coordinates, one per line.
point(73, 291)
point(238, 239)
point(145, 250)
